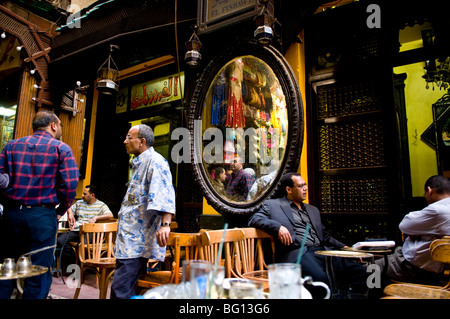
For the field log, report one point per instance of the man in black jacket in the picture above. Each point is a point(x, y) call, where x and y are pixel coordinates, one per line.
point(286, 219)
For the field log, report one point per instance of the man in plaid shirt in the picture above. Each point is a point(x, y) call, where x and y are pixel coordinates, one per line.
point(43, 174)
point(241, 182)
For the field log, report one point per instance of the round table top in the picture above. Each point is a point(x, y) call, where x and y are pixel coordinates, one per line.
point(370, 251)
point(344, 254)
point(35, 271)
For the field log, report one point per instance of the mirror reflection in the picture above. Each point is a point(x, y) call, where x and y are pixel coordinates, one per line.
point(244, 129)
point(446, 132)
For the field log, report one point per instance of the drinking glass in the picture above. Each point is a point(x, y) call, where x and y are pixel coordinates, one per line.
point(285, 281)
point(246, 290)
point(217, 286)
point(196, 278)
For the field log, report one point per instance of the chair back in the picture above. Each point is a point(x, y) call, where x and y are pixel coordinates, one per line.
point(441, 251)
point(210, 243)
point(251, 250)
point(182, 245)
point(98, 240)
point(443, 240)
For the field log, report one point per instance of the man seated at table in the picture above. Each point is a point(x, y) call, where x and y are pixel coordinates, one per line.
point(286, 219)
point(87, 210)
point(412, 261)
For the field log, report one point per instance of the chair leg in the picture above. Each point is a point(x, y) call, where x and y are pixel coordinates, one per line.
point(77, 291)
point(104, 281)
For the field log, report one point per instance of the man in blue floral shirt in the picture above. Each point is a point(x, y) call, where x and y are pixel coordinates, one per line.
point(145, 214)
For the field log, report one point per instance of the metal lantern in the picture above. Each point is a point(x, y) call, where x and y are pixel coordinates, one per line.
point(193, 46)
point(108, 75)
point(263, 33)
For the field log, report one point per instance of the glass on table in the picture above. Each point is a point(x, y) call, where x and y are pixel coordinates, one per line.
point(196, 278)
point(285, 281)
point(217, 283)
point(246, 290)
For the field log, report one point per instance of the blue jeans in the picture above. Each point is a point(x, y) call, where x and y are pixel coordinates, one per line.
point(24, 230)
point(126, 276)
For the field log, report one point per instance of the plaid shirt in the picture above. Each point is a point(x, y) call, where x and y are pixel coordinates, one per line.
point(240, 185)
point(42, 170)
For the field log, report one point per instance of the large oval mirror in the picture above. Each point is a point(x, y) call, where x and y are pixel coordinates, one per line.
point(246, 124)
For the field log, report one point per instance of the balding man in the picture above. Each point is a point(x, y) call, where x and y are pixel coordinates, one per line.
point(43, 174)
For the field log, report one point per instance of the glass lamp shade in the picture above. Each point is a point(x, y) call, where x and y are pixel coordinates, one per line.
point(192, 58)
point(263, 34)
point(108, 81)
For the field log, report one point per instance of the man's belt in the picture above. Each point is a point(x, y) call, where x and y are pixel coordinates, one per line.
point(22, 206)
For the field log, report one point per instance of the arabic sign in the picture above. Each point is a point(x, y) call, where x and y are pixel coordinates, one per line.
point(159, 91)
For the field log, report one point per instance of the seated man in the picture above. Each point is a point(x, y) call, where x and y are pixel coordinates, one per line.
point(286, 219)
point(88, 210)
point(412, 261)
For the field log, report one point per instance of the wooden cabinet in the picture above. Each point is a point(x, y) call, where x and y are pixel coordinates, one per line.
point(353, 162)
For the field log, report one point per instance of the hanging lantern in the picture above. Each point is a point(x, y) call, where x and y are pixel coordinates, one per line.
point(108, 75)
point(263, 33)
point(193, 46)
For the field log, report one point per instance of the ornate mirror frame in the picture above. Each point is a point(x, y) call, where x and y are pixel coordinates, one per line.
point(272, 64)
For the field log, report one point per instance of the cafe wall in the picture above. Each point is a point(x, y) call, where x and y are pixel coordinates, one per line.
point(419, 101)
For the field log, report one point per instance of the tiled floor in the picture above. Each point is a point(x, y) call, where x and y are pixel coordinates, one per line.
point(89, 289)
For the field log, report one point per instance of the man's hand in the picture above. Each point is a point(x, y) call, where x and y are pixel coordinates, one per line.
point(284, 236)
point(71, 220)
point(162, 236)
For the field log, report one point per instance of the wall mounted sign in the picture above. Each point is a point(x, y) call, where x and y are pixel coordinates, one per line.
point(213, 14)
point(163, 90)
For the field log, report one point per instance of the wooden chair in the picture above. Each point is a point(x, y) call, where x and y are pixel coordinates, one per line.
point(95, 252)
point(180, 246)
point(253, 265)
point(252, 252)
point(440, 251)
point(210, 242)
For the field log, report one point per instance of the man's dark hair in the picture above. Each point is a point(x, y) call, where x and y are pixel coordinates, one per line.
point(440, 184)
point(42, 119)
point(146, 132)
point(92, 189)
point(285, 181)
